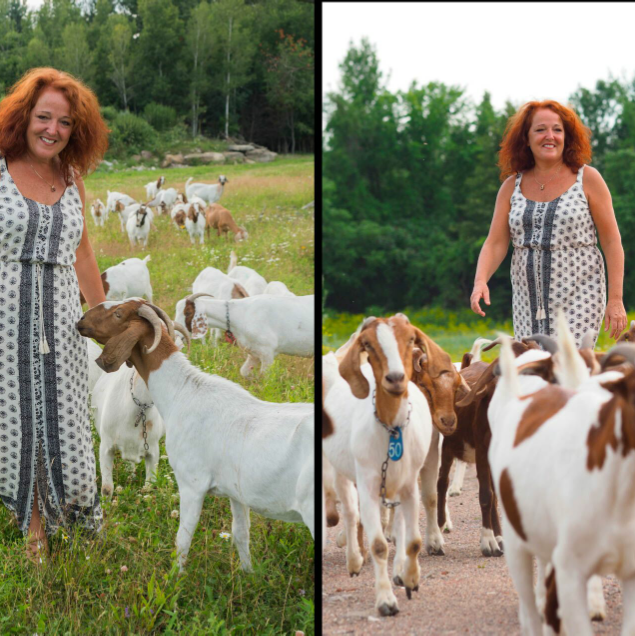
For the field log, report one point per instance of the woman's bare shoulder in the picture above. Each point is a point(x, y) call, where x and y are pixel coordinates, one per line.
point(507, 187)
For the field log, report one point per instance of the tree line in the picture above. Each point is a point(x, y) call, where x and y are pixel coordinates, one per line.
point(410, 182)
point(222, 68)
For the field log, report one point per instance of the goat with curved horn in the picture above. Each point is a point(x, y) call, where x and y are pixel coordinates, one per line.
point(184, 333)
point(627, 351)
point(166, 319)
point(193, 297)
point(150, 315)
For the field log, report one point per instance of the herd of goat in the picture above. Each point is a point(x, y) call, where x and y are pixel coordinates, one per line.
point(197, 210)
point(551, 431)
point(219, 438)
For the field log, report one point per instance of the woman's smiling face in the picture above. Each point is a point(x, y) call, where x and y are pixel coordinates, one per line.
point(50, 125)
point(546, 135)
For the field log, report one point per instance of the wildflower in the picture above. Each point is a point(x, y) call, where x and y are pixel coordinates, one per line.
point(175, 496)
point(127, 613)
point(124, 568)
point(302, 592)
point(119, 489)
point(174, 514)
point(164, 456)
point(114, 502)
point(146, 496)
point(224, 535)
point(108, 571)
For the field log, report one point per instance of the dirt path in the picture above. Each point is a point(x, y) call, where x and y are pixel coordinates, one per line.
point(460, 593)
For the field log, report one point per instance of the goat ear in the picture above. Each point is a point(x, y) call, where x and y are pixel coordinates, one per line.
point(466, 361)
point(419, 358)
point(350, 370)
point(238, 291)
point(437, 359)
point(462, 390)
point(118, 349)
point(541, 368)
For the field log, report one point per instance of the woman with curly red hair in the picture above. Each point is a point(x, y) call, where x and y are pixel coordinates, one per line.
point(51, 133)
point(550, 206)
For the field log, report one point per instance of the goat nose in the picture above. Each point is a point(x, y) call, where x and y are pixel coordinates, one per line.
point(395, 378)
point(448, 421)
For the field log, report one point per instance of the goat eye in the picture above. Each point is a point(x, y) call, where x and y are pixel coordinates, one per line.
point(118, 314)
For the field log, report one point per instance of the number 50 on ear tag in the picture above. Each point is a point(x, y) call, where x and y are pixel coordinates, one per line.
point(395, 447)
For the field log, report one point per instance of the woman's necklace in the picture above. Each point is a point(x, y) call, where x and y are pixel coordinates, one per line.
point(542, 185)
point(50, 185)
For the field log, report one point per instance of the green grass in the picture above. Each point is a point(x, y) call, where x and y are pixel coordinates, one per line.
point(83, 590)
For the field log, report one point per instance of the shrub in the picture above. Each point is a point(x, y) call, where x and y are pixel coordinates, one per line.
point(109, 113)
point(160, 117)
point(130, 134)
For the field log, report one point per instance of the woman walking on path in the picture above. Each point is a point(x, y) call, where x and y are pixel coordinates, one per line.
point(550, 206)
point(51, 133)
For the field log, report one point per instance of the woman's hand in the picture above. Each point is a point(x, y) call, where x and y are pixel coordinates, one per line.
point(615, 318)
point(480, 291)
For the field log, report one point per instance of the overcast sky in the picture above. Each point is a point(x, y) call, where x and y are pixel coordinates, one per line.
point(515, 50)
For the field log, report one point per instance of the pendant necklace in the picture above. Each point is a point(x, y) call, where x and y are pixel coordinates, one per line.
point(542, 185)
point(50, 185)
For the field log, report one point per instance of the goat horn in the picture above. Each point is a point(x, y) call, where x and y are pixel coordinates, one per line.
point(145, 312)
point(623, 349)
point(588, 340)
point(166, 319)
point(184, 333)
point(193, 297)
point(492, 344)
point(547, 343)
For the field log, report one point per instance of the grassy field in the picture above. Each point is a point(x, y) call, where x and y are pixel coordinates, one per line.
point(127, 582)
point(455, 332)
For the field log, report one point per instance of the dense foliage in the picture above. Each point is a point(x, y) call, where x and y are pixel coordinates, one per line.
point(410, 182)
point(228, 67)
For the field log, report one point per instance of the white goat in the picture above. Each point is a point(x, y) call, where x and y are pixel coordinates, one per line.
point(138, 226)
point(129, 278)
point(99, 212)
point(220, 439)
point(208, 192)
point(251, 280)
point(358, 398)
point(119, 420)
point(164, 200)
point(566, 505)
point(195, 221)
point(277, 288)
point(114, 197)
point(215, 283)
point(153, 187)
point(264, 326)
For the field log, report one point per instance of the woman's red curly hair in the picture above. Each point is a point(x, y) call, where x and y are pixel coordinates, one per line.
point(516, 156)
point(89, 139)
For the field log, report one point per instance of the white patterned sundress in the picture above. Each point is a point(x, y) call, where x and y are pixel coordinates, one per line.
point(45, 431)
point(556, 263)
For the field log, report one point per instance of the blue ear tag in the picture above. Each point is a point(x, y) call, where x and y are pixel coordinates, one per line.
point(395, 446)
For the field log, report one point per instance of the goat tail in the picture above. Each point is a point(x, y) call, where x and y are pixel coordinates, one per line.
point(508, 382)
point(479, 343)
point(146, 259)
point(233, 261)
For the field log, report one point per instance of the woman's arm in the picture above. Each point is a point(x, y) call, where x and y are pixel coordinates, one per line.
point(601, 206)
point(495, 247)
point(86, 264)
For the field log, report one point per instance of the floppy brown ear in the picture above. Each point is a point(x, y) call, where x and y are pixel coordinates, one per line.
point(462, 390)
point(419, 358)
point(466, 361)
point(437, 359)
point(118, 349)
point(350, 370)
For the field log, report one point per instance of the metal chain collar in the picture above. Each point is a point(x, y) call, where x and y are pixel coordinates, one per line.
point(142, 414)
point(393, 431)
point(229, 336)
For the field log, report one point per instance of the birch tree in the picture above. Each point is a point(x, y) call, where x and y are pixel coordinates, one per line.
point(199, 44)
point(120, 58)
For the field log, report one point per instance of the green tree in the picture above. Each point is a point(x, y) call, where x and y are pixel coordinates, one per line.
point(74, 56)
point(120, 57)
point(199, 44)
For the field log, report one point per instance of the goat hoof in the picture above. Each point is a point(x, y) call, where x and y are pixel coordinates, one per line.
point(332, 520)
point(397, 581)
point(354, 574)
point(415, 588)
point(409, 593)
point(446, 530)
point(388, 610)
point(435, 551)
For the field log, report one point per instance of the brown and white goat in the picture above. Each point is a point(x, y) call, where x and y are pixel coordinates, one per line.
point(361, 402)
point(222, 221)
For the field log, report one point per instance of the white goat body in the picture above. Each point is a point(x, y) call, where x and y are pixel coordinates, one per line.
point(210, 193)
point(249, 278)
point(138, 226)
point(154, 187)
point(277, 288)
point(265, 326)
point(127, 279)
point(112, 198)
point(195, 222)
point(115, 422)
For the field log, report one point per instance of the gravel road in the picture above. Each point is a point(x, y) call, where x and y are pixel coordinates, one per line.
point(460, 593)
